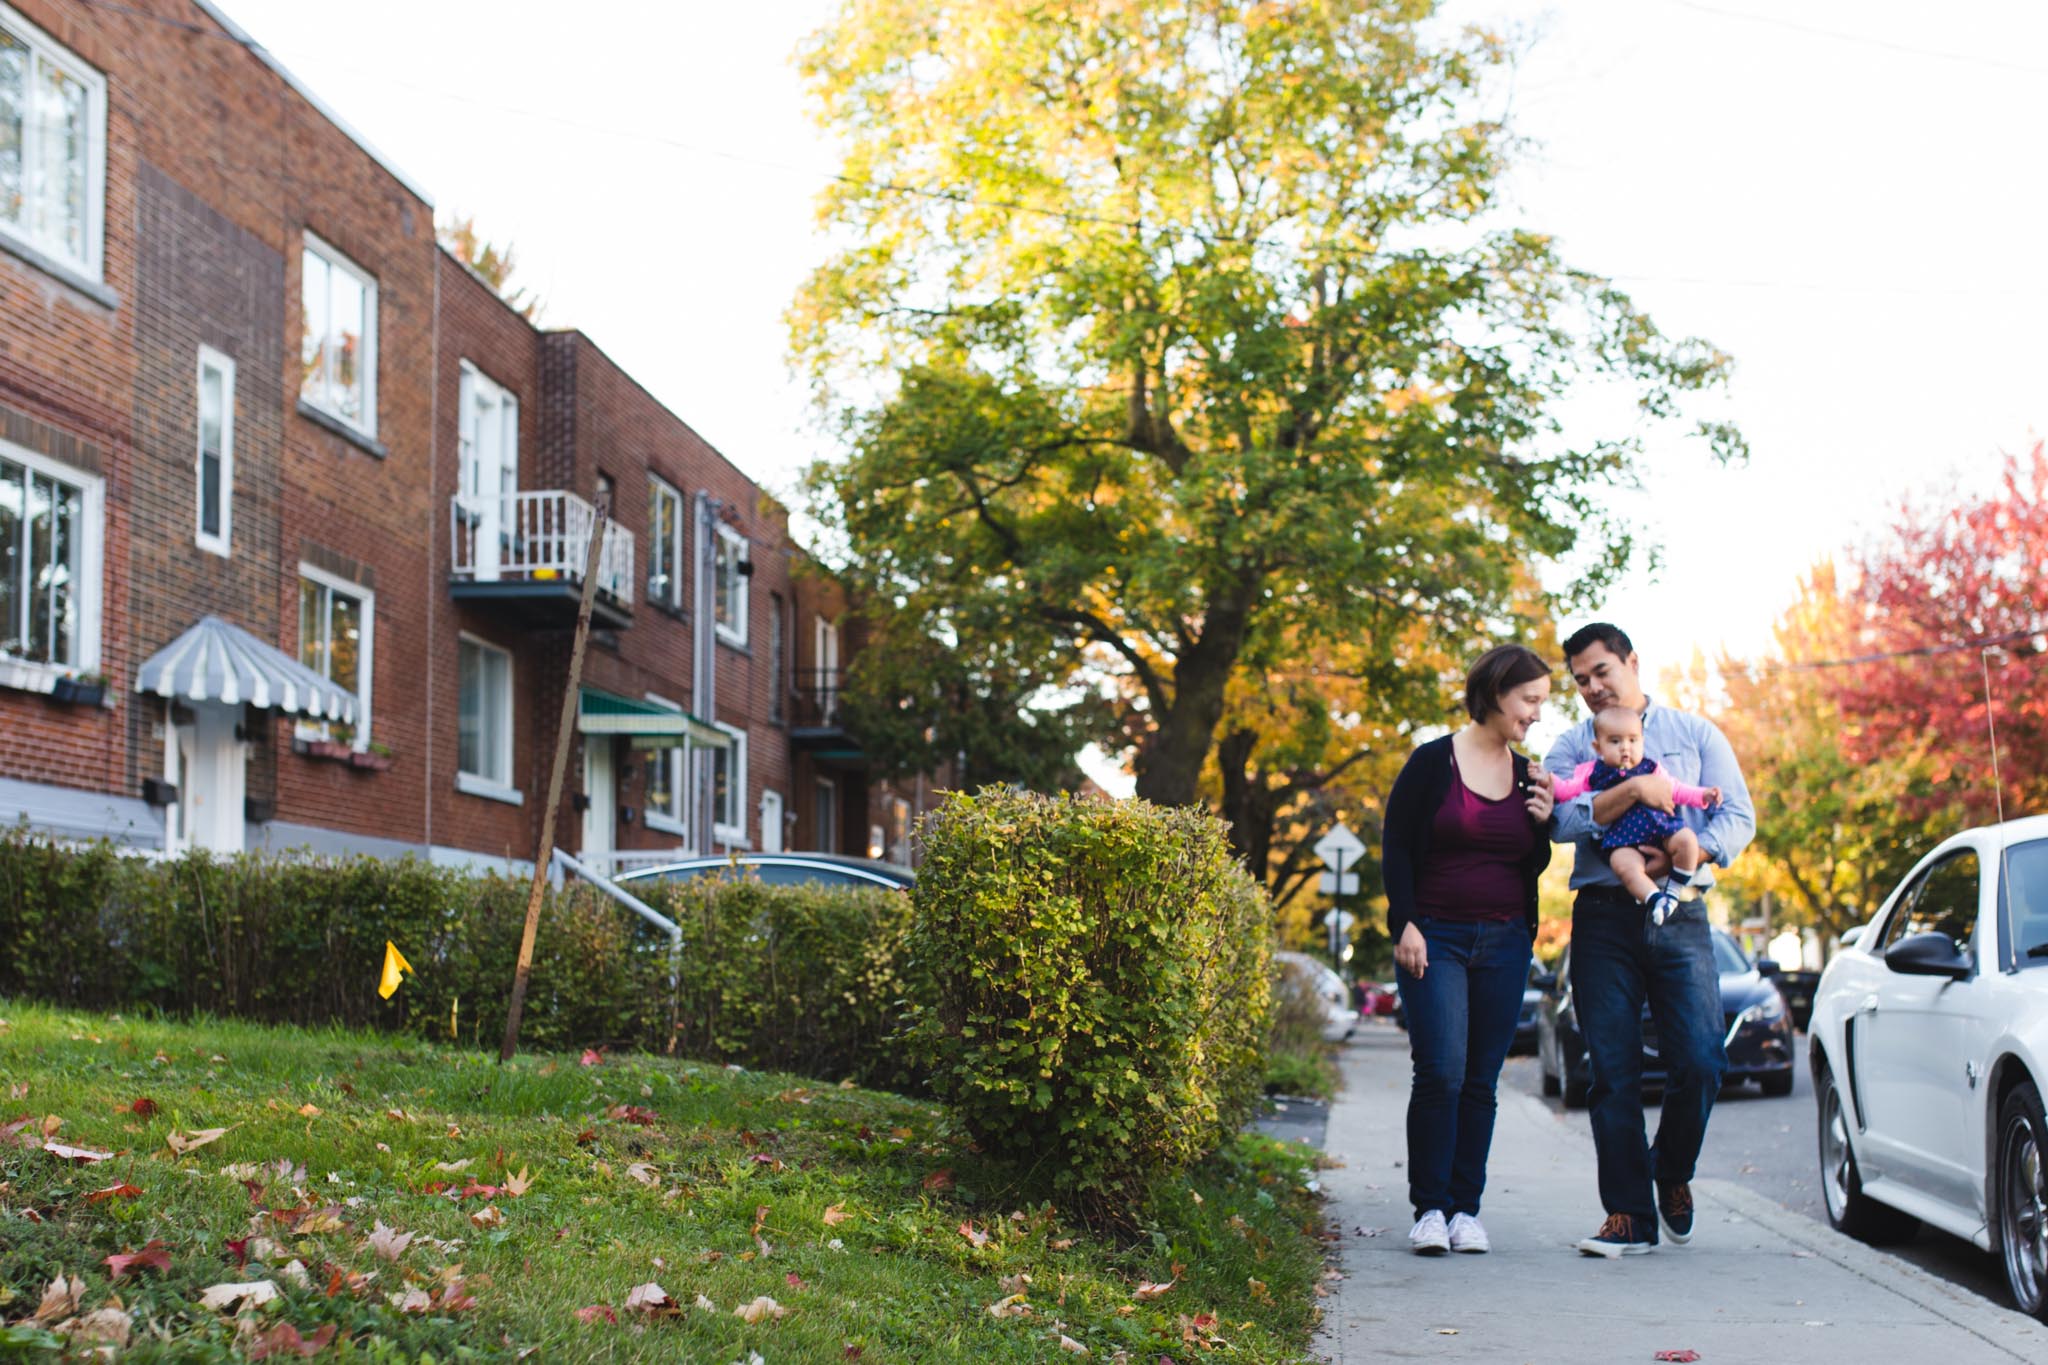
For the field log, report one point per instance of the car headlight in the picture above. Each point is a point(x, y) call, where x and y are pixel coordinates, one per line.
point(1769, 1010)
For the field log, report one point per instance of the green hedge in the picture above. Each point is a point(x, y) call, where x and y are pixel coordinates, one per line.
point(1099, 986)
point(802, 978)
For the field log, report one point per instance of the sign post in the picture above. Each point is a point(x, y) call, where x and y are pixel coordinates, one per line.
point(1338, 848)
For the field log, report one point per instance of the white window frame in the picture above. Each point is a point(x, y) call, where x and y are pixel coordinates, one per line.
point(677, 757)
point(42, 47)
point(335, 260)
point(477, 784)
point(679, 541)
point(366, 652)
point(731, 835)
point(34, 675)
point(732, 579)
point(473, 388)
point(210, 359)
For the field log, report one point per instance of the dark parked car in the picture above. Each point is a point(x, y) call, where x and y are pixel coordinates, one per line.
point(1797, 988)
point(1759, 1037)
point(1525, 1022)
point(780, 869)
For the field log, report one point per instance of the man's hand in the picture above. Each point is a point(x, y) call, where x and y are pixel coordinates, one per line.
point(1654, 790)
point(1411, 954)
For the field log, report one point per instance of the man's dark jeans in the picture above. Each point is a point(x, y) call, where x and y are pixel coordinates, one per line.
point(1461, 1022)
point(1620, 959)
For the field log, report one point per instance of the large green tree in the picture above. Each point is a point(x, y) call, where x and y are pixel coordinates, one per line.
point(1166, 336)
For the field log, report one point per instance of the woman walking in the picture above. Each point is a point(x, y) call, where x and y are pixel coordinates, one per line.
point(1464, 841)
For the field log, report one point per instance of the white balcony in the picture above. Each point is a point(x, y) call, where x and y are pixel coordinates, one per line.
point(528, 550)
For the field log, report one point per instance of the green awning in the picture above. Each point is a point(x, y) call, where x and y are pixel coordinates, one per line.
point(649, 724)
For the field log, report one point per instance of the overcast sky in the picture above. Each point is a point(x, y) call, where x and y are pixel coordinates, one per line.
point(1846, 195)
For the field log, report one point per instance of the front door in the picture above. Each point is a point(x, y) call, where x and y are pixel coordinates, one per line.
point(603, 804)
point(771, 822)
point(209, 765)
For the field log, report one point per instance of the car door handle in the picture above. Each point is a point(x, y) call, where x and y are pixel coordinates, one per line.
point(1868, 1004)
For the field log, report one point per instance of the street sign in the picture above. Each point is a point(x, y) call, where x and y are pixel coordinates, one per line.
point(1344, 920)
point(1329, 886)
point(1340, 848)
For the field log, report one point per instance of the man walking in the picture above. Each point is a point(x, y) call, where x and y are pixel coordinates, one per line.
point(1621, 957)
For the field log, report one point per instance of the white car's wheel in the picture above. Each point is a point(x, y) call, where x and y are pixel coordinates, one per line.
point(2022, 1198)
point(1841, 1186)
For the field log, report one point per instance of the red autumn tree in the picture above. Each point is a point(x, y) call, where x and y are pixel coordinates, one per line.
point(1964, 569)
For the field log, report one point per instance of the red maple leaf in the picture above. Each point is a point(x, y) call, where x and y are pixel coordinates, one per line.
point(152, 1257)
point(596, 1311)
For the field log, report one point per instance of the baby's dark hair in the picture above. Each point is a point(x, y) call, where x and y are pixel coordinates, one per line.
point(1611, 719)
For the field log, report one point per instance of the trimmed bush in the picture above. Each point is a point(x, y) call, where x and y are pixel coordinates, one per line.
point(772, 977)
point(1099, 978)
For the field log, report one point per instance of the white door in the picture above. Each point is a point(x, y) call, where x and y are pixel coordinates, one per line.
point(828, 816)
point(603, 803)
point(827, 655)
point(771, 822)
point(210, 767)
point(489, 466)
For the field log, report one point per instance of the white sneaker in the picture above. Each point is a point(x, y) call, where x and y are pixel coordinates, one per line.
point(1429, 1236)
point(1467, 1235)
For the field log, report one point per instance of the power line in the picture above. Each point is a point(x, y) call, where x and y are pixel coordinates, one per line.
point(2031, 634)
point(1861, 39)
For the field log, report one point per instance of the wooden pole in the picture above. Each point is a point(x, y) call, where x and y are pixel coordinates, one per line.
point(543, 854)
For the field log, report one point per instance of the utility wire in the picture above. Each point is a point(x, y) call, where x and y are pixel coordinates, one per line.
point(1861, 39)
point(1983, 644)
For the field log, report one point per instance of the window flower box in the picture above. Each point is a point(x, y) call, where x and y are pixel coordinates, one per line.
point(369, 760)
point(79, 691)
point(328, 749)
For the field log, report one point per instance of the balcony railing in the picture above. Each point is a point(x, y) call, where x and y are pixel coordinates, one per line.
point(817, 693)
point(539, 537)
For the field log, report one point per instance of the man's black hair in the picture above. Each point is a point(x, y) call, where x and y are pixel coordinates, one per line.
point(1598, 633)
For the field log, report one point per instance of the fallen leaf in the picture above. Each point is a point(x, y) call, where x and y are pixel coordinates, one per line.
point(1447, 1331)
point(592, 1057)
point(389, 1243)
point(1014, 1284)
point(225, 1297)
point(1146, 1292)
point(310, 1111)
point(487, 1216)
point(835, 1215)
point(102, 1327)
point(649, 1298)
point(1072, 1347)
point(85, 1156)
point(705, 1304)
point(519, 1184)
point(320, 1220)
point(453, 1166)
point(122, 1191)
point(284, 1339)
point(295, 1271)
point(632, 1113)
point(142, 1107)
point(412, 1300)
point(151, 1257)
point(596, 1311)
point(60, 1300)
point(763, 1307)
point(1682, 1354)
point(1010, 1307)
point(643, 1173)
point(941, 1179)
point(974, 1235)
point(182, 1143)
point(1060, 1243)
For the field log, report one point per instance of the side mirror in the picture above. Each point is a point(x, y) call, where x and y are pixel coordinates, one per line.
point(1545, 982)
point(1930, 954)
point(1767, 966)
point(1851, 938)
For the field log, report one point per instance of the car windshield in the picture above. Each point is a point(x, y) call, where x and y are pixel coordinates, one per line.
point(2026, 883)
point(1727, 957)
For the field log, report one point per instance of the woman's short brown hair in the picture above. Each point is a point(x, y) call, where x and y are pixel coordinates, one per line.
point(1497, 670)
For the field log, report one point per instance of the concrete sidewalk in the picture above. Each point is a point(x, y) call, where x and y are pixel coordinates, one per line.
point(1757, 1283)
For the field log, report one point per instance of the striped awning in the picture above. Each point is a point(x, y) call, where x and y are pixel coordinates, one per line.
point(650, 724)
point(217, 661)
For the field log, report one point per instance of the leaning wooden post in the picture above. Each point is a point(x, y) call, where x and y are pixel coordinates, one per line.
point(544, 854)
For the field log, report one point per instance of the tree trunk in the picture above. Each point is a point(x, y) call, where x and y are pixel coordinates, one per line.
point(1170, 763)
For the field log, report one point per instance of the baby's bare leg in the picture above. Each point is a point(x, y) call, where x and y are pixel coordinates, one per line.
point(1684, 848)
point(1628, 865)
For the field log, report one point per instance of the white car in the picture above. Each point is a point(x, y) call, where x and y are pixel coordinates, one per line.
point(1339, 1019)
point(1929, 1047)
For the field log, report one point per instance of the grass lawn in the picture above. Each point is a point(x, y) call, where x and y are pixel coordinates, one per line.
point(847, 1224)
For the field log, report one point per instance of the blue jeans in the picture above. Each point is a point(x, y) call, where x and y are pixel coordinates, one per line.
point(1619, 960)
point(1461, 1022)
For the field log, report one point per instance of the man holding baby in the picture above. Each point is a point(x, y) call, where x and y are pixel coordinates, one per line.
point(1653, 799)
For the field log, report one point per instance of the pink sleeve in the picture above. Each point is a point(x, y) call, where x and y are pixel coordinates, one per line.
point(1684, 793)
point(1565, 788)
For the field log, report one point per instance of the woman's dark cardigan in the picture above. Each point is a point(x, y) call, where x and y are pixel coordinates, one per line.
point(1418, 794)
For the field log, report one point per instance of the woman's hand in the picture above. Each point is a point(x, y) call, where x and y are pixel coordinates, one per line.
point(1542, 794)
point(1411, 954)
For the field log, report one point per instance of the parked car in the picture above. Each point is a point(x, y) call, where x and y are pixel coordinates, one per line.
point(1759, 1037)
point(1381, 999)
point(1526, 1030)
point(1311, 974)
point(1929, 1039)
point(780, 869)
point(1797, 987)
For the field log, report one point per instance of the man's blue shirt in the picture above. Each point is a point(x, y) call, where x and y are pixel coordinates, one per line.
point(1688, 748)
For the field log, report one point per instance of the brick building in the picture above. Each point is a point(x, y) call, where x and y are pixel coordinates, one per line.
point(294, 510)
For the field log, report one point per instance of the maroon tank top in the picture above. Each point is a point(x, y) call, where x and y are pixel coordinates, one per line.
point(1476, 851)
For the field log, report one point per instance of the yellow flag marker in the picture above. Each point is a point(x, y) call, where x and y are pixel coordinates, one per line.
point(394, 963)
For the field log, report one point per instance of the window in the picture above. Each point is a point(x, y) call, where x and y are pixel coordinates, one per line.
point(664, 544)
point(2026, 898)
point(1944, 900)
point(338, 343)
point(49, 566)
point(730, 602)
point(216, 474)
point(668, 782)
point(826, 816)
point(53, 140)
point(335, 622)
point(899, 830)
point(483, 725)
point(778, 683)
point(729, 788)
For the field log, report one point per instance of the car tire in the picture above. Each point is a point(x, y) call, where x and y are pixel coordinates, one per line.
point(1841, 1185)
point(1576, 1089)
point(1776, 1085)
point(2021, 1198)
point(1551, 1088)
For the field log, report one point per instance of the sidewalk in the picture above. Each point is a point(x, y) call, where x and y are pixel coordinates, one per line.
point(1757, 1283)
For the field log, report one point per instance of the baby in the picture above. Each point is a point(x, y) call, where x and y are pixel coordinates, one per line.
point(1618, 740)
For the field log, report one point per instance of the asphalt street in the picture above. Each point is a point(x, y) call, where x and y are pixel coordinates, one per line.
point(1768, 1146)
